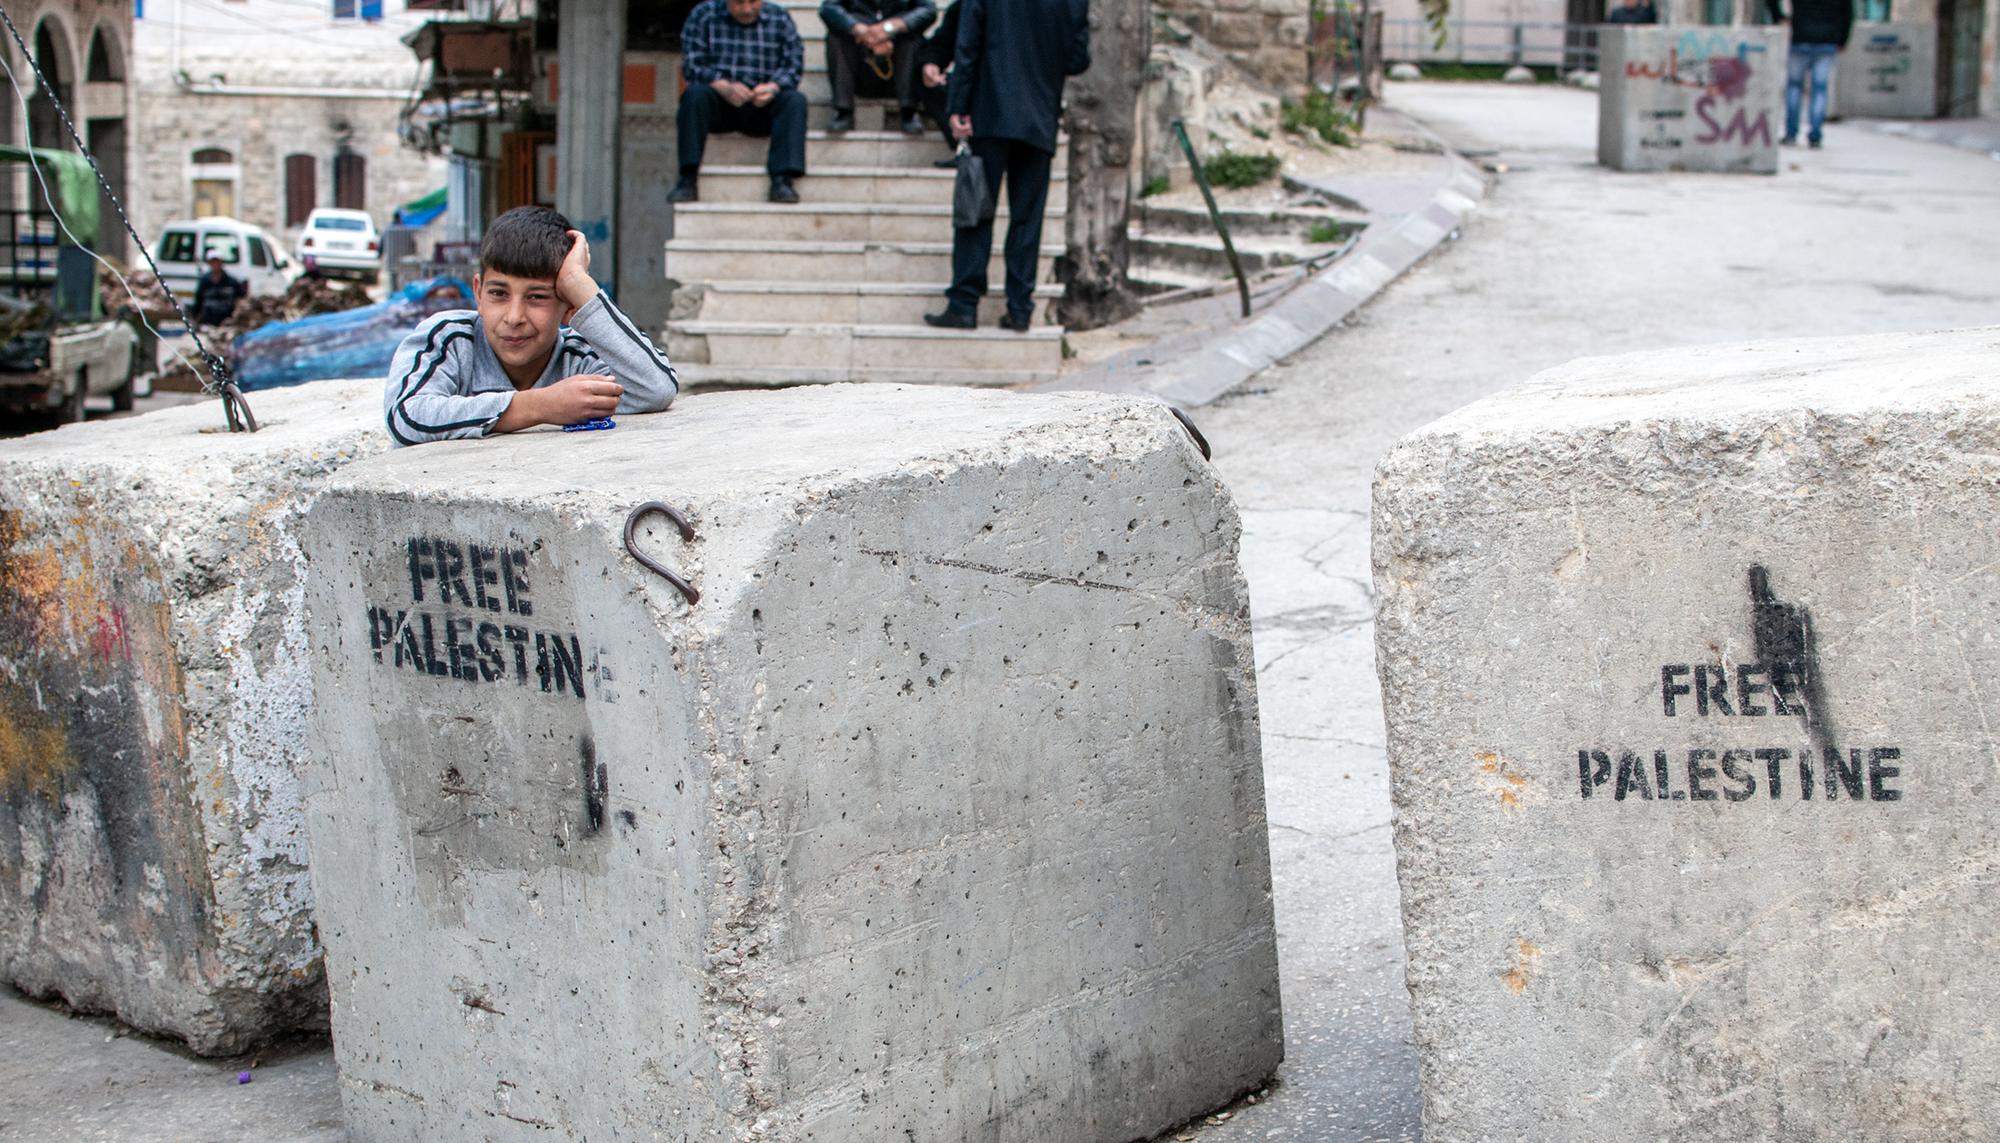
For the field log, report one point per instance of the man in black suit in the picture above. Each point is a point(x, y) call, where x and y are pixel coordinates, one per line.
point(874, 40)
point(1004, 97)
point(935, 56)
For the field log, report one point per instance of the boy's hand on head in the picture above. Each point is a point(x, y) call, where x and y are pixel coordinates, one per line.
point(573, 281)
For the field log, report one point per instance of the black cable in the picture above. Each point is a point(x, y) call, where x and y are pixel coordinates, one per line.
point(219, 382)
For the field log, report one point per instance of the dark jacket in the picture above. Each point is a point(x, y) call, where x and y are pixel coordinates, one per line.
point(1817, 21)
point(842, 15)
point(215, 298)
point(943, 41)
point(1010, 64)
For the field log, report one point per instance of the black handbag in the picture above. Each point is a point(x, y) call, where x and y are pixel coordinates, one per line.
point(972, 198)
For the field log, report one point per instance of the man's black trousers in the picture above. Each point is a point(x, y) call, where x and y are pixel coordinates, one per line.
point(783, 120)
point(1026, 169)
point(847, 69)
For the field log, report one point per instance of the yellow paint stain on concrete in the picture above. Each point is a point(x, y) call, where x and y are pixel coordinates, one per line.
point(1500, 778)
point(35, 754)
point(1527, 958)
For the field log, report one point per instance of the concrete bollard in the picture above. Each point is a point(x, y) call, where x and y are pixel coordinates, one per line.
point(1691, 99)
point(1888, 71)
point(1691, 665)
point(153, 693)
point(939, 816)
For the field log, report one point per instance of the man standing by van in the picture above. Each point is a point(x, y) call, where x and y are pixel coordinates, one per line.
point(216, 294)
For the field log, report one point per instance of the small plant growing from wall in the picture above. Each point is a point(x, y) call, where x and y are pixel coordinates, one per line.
point(1158, 184)
point(1318, 114)
point(1231, 169)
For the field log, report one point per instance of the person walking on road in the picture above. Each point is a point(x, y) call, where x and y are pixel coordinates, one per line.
point(1004, 98)
point(742, 60)
point(1819, 30)
point(216, 294)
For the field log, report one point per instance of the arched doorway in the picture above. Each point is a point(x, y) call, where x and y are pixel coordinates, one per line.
point(54, 57)
point(104, 132)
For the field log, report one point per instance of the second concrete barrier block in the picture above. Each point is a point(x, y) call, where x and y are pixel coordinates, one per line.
point(939, 816)
point(1691, 667)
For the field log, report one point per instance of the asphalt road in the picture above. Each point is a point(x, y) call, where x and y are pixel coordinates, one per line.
point(1874, 233)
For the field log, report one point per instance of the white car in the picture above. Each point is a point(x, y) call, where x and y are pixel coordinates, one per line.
point(246, 252)
point(341, 242)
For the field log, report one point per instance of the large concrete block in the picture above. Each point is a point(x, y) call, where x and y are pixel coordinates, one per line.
point(1691, 99)
point(939, 817)
point(1889, 71)
point(153, 694)
point(1691, 663)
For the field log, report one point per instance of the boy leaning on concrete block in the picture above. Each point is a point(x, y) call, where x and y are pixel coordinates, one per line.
point(512, 364)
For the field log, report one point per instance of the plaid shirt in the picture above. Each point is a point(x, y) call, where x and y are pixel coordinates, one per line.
point(714, 46)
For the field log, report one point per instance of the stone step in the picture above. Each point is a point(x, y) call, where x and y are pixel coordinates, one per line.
point(785, 376)
point(1203, 256)
point(1291, 222)
point(911, 185)
point(878, 144)
point(811, 221)
point(695, 260)
point(859, 348)
point(860, 303)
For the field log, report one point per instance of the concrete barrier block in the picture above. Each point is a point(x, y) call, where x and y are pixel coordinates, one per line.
point(1691, 666)
point(1691, 99)
point(1889, 71)
point(940, 816)
point(153, 693)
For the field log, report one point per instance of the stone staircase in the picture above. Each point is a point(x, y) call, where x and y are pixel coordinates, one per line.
point(834, 288)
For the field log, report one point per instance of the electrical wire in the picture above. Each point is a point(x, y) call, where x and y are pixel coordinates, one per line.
point(235, 409)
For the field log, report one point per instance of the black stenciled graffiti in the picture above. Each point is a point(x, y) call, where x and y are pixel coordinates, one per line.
point(1738, 775)
point(596, 785)
point(1787, 681)
point(447, 579)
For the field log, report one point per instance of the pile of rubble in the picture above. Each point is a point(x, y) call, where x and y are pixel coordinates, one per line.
point(308, 296)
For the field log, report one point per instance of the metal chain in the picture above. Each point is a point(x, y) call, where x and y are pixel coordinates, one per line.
point(234, 407)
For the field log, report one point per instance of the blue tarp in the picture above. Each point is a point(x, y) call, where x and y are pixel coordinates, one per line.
point(353, 343)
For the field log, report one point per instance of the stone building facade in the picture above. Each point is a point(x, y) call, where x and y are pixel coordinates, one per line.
point(84, 48)
point(265, 109)
point(1267, 37)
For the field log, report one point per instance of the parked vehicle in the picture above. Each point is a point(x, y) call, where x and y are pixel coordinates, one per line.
point(341, 242)
point(247, 252)
point(57, 349)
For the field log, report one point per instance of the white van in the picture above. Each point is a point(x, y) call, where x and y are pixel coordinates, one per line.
point(246, 252)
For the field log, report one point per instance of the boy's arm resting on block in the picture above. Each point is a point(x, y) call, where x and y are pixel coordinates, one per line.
point(429, 397)
point(648, 378)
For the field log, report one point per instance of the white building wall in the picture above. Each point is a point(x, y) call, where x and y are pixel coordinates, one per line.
point(263, 79)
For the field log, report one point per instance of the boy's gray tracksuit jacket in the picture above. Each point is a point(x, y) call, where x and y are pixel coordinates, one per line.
point(445, 382)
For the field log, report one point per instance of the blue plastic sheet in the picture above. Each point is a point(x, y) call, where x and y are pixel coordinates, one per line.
point(352, 343)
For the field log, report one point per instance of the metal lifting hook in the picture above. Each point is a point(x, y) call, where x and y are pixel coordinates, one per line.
point(1187, 422)
point(687, 534)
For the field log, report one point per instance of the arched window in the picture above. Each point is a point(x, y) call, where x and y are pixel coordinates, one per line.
point(209, 155)
point(301, 188)
point(104, 65)
point(52, 55)
point(350, 181)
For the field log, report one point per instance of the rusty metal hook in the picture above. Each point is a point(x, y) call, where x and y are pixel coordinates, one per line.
point(1187, 422)
point(687, 534)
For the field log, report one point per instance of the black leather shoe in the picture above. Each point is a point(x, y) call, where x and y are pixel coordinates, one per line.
point(686, 190)
point(913, 123)
point(782, 190)
point(951, 319)
point(1016, 324)
point(843, 122)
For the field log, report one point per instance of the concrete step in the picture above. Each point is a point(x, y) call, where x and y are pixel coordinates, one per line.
point(1203, 256)
point(776, 377)
point(812, 221)
point(878, 144)
point(858, 348)
point(1294, 223)
point(694, 260)
point(858, 303)
point(894, 185)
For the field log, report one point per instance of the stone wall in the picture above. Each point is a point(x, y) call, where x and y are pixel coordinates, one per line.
point(1267, 37)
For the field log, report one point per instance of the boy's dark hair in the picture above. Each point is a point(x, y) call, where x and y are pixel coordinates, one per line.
point(526, 242)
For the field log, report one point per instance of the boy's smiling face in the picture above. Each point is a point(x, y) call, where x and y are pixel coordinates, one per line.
point(521, 318)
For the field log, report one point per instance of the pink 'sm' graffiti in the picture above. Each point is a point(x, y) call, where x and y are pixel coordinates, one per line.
point(1739, 128)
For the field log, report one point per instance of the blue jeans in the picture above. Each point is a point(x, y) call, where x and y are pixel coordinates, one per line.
point(1819, 59)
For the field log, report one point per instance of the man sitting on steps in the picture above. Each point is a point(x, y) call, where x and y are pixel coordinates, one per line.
point(743, 60)
point(872, 45)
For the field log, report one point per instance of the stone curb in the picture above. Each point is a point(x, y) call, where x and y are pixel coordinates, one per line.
point(1198, 367)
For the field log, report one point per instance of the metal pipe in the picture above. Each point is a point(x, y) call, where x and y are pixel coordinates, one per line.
point(1215, 215)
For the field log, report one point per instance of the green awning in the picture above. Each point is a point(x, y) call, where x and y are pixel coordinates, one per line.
point(70, 176)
